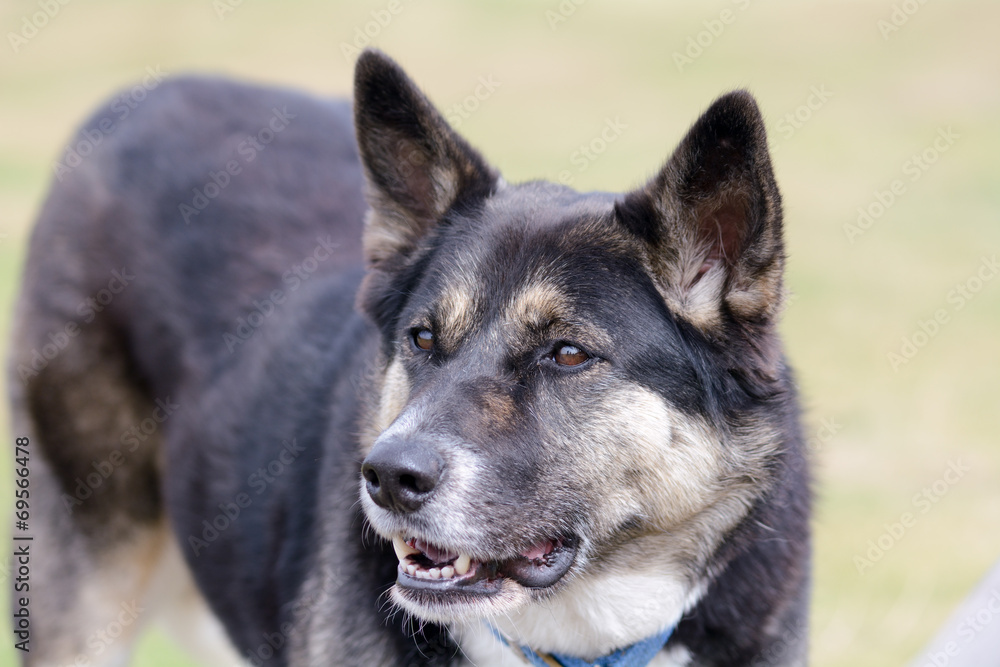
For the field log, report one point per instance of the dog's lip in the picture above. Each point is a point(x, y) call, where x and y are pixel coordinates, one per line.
point(543, 565)
point(424, 566)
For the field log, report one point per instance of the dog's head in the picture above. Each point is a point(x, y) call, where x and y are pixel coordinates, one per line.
point(575, 385)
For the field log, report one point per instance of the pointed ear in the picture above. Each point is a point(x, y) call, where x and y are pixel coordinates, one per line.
point(712, 220)
point(417, 167)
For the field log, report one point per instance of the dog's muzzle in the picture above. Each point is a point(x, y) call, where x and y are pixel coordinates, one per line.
point(401, 474)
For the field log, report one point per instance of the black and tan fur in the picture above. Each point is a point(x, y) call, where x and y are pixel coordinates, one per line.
point(666, 470)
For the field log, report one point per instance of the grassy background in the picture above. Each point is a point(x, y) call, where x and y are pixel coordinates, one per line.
point(889, 433)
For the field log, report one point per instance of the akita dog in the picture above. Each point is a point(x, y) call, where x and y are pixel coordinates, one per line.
point(336, 393)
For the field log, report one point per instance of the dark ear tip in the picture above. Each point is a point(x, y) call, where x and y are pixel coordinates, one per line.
point(740, 97)
point(732, 123)
point(374, 69)
point(372, 59)
point(735, 112)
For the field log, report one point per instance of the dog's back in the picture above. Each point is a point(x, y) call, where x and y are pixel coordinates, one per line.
point(176, 242)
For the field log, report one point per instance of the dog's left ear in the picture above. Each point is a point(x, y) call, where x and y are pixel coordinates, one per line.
point(417, 166)
point(712, 220)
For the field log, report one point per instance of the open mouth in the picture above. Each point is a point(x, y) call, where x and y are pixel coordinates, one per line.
point(427, 568)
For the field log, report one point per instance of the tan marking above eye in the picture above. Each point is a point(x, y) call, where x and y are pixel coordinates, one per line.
point(569, 355)
point(423, 339)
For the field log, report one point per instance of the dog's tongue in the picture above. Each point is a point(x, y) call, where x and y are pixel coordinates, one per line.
point(539, 550)
point(433, 553)
point(540, 566)
point(438, 555)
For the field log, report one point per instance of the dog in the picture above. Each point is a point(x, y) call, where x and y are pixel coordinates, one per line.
point(311, 383)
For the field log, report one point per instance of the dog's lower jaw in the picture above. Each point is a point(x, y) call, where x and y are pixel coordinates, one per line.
point(510, 596)
point(590, 617)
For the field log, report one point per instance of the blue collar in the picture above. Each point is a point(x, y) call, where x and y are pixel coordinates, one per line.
point(637, 655)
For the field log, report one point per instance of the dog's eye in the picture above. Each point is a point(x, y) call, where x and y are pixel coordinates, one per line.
point(423, 339)
point(569, 355)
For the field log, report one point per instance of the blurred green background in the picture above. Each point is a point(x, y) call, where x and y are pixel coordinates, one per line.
point(852, 92)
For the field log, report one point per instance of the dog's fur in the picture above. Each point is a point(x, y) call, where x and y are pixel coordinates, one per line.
point(253, 353)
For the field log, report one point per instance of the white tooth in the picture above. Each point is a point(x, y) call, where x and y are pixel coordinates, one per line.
point(462, 564)
point(423, 574)
point(411, 569)
point(402, 548)
point(435, 573)
point(447, 572)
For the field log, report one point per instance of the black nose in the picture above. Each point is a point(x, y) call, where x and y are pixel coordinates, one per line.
point(401, 473)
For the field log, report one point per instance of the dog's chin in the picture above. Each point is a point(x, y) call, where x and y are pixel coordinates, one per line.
point(444, 586)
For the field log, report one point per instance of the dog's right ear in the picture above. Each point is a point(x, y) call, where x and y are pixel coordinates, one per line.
point(417, 167)
point(712, 220)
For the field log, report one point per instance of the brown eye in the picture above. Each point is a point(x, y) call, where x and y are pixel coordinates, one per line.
point(569, 355)
point(423, 339)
